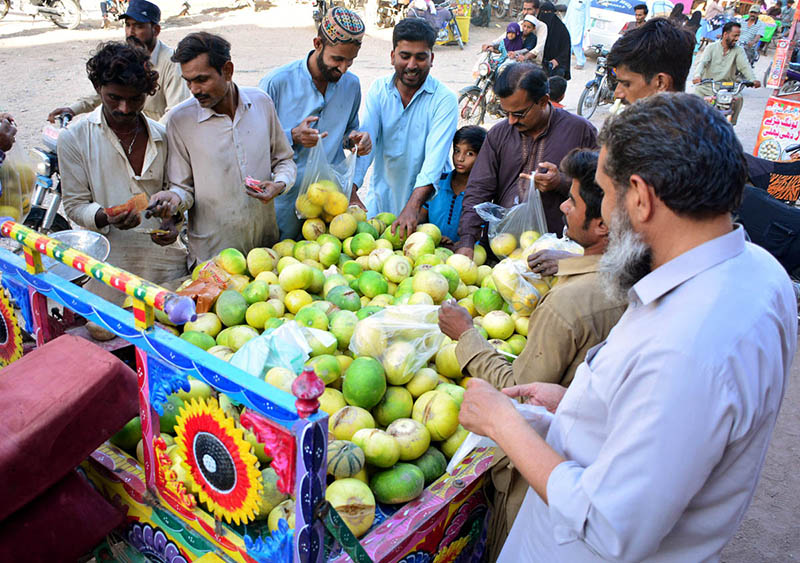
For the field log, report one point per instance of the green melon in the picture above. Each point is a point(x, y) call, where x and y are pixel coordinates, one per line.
point(231, 307)
point(432, 463)
point(345, 459)
point(400, 484)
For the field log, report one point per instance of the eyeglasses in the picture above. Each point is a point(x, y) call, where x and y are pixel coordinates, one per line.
point(517, 114)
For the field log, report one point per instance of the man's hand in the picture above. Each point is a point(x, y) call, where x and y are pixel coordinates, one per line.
point(60, 111)
point(170, 236)
point(8, 131)
point(269, 191)
point(406, 222)
point(554, 63)
point(549, 179)
point(756, 84)
point(164, 204)
point(355, 200)
point(306, 135)
point(483, 407)
point(467, 251)
point(486, 47)
point(696, 80)
point(362, 141)
point(122, 221)
point(547, 395)
point(454, 320)
point(545, 262)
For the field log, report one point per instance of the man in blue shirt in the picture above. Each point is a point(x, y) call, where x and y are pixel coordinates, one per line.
point(412, 118)
point(316, 98)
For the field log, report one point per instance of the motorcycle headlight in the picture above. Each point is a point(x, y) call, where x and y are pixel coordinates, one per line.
point(483, 69)
point(42, 162)
point(725, 97)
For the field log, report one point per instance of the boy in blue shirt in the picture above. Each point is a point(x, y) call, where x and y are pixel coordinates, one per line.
point(444, 209)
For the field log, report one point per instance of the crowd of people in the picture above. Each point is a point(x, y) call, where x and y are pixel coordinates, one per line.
point(664, 383)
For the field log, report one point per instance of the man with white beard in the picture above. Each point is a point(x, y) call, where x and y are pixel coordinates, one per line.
point(655, 449)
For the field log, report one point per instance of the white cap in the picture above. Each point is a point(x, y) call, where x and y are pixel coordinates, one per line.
point(530, 19)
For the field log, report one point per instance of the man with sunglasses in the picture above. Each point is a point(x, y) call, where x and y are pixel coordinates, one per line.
point(533, 137)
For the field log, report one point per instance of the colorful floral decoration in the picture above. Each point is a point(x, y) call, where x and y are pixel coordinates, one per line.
point(451, 552)
point(222, 468)
point(10, 334)
point(154, 544)
point(275, 548)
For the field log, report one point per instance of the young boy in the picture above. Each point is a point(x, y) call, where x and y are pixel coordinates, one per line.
point(444, 209)
point(558, 88)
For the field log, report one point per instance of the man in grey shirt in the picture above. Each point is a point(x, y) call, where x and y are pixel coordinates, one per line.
point(654, 451)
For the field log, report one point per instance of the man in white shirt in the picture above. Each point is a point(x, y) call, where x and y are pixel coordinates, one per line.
point(217, 139)
point(655, 449)
point(112, 155)
point(141, 30)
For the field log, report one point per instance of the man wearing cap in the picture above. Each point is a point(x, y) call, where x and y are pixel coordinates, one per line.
point(721, 61)
point(752, 31)
point(141, 30)
point(317, 100)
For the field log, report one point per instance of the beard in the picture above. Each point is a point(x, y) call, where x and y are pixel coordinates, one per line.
point(329, 73)
point(627, 258)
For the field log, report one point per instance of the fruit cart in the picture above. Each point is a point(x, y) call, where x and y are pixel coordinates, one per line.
point(213, 522)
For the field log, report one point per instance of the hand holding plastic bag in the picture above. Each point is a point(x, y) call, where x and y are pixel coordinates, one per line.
point(537, 416)
point(325, 188)
point(403, 338)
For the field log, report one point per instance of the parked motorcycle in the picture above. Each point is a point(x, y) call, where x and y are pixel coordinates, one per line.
point(476, 100)
point(599, 90)
point(63, 13)
point(44, 216)
point(724, 94)
point(391, 11)
point(448, 28)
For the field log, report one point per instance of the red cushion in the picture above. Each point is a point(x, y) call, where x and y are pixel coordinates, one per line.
point(57, 405)
point(62, 524)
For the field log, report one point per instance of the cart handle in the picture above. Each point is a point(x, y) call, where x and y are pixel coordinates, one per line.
point(146, 296)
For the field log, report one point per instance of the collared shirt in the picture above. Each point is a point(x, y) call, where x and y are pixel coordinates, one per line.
point(210, 156)
point(666, 425)
point(721, 66)
point(444, 209)
point(787, 15)
point(751, 31)
point(171, 91)
point(714, 9)
point(495, 176)
point(410, 145)
point(572, 318)
point(296, 97)
point(96, 173)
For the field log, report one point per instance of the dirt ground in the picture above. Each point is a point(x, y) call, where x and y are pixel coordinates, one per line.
point(43, 67)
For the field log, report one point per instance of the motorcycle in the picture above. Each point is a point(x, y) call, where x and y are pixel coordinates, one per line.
point(476, 100)
point(599, 90)
point(320, 9)
point(448, 28)
point(724, 94)
point(64, 13)
point(391, 11)
point(44, 216)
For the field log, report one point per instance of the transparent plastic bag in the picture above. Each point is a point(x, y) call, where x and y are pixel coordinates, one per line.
point(512, 229)
point(17, 178)
point(325, 188)
point(549, 241)
point(403, 338)
point(284, 347)
point(518, 286)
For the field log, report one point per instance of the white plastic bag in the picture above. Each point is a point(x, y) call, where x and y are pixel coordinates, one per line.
point(537, 416)
point(403, 338)
point(285, 347)
point(325, 188)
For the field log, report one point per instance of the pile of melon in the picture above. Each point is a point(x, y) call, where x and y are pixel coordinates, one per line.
point(393, 422)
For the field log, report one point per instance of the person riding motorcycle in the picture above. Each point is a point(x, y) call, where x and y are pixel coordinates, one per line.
point(752, 31)
point(720, 62)
point(432, 12)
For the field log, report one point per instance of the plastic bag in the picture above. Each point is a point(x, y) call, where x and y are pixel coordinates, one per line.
point(17, 178)
point(515, 228)
point(403, 338)
point(518, 286)
point(537, 416)
point(284, 347)
point(549, 241)
point(325, 189)
point(210, 281)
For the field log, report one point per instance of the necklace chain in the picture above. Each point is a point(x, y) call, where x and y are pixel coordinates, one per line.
point(135, 134)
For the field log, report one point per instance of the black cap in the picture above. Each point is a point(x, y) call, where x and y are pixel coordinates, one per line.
point(142, 11)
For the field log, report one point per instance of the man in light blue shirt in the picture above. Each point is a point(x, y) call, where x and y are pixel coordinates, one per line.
point(654, 451)
point(317, 99)
point(412, 118)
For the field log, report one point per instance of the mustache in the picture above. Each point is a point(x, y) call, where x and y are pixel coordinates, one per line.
point(135, 41)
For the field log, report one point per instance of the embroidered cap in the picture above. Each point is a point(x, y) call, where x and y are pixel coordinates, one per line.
point(341, 25)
